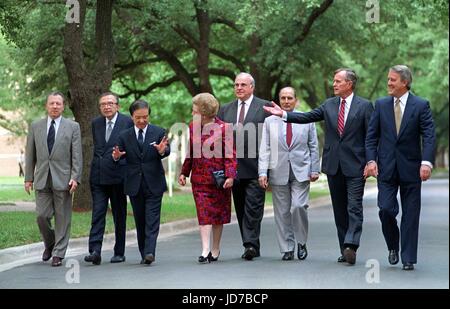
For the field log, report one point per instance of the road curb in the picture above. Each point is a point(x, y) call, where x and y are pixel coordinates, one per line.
point(21, 255)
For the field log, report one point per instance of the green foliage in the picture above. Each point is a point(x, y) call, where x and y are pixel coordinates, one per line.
point(409, 32)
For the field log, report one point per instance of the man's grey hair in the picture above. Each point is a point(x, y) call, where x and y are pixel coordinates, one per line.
point(404, 72)
point(56, 93)
point(350, 75)
point(244, 74)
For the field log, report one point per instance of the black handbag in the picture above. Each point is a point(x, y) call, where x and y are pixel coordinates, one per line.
point(219, 178)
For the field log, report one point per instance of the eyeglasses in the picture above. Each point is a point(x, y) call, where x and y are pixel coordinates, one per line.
point(107, 104)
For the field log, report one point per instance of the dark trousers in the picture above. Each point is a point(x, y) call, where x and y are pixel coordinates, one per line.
point(101, 195)
point(249, 199)
point(147, 212)
point(346, 197)
point(409, 227)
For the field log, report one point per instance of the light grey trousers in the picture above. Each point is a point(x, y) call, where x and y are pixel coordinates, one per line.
point(49, 203)
point(290, 203)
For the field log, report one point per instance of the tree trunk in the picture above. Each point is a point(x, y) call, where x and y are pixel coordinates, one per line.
point(86, 84)
point(84, 108)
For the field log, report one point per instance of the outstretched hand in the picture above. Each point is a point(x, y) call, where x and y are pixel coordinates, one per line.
point(117, 153)
point(161, 147)
point(274, 110)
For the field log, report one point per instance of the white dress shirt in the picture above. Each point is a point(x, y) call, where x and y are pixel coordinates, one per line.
point(246, 105)
point(57, 123)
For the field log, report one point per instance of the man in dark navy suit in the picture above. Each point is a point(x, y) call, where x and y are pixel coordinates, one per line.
point(144, 146)
point(400, 150)
point(346, 119)
point(106, 179)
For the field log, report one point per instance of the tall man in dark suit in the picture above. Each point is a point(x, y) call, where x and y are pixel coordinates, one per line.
point(247, 115)
point(53, 165)
point(144, 146)
point(400, 150)
point(106, 179)
point(346, 119)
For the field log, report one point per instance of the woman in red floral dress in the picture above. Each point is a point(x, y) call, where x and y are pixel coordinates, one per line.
point(211, 149)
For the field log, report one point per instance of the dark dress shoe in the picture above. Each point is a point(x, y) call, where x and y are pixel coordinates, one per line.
point(287, 256)
point(149, 258)
point(302, 253)
point(204, 259)
point(56, 261)
point(250, 253)
point(118, 259)
point(341, 259)
point(393, 257)
point(213, 258)
point(93, 258)
point(47, 254)
point(408, 266)
point(350, 255)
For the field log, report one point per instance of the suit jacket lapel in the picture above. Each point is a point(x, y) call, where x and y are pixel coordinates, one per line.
point(409, 110)
point(102, 133)
point(391, 116)
point(116, 130)
point(335, 114)
point(351, 113)
point(59, 135)
point(251, 111)
point(233, 112)
point(147, 140)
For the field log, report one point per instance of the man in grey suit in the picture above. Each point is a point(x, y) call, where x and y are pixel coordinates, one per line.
point(247, 114)
point(291, 153)
point(346, 119)
point(53, 164)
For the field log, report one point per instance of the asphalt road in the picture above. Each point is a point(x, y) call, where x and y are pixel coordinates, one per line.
point(176, 259)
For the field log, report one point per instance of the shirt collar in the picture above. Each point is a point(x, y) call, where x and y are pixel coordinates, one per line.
point(348, 99)
point(114, 119)
point(136, 129)
point(403, 98)
point(57, 121)
point(247, 102)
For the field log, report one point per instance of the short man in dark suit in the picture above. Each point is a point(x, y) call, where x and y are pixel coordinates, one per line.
point(346, 119)
point(106, 179)
point(400, 150)
point(144, 146)
point(247, 115)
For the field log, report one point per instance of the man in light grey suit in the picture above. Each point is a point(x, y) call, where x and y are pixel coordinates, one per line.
point(53, 163)
point(290, 152)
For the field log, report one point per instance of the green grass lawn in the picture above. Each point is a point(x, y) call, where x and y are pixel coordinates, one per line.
point(12, 190)
point(180, 206)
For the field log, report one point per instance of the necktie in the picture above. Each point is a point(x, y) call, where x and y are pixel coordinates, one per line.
point(341, 118)
point(398, 115)
point(141, 139)
point(242, 113)
point(108, 130)
point(289, 134)
point(51, 137)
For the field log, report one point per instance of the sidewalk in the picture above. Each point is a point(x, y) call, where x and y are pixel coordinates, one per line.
point(21, 255)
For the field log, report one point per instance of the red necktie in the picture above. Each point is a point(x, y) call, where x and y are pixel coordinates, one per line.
point(288, 134)
point(341, 118)
point(242, 112)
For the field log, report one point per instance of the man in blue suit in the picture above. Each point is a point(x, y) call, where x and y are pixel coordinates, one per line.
point(399, 125)
point(106, 179)
point(144, 146)
point(346, 118)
